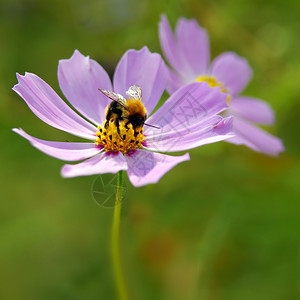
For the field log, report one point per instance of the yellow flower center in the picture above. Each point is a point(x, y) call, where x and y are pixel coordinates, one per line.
point(126, 139)
point(212, 82)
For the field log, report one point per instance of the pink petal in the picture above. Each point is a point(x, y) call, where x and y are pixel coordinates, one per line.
point(169, 45)
point(99, 164)
point(61, 150)
point(80, 78)
point(191, 105)
point(255, 138)
point(252, 109)
point(193, 42)
point(146, 167)
point(232, 70)
point(50, 108)
point(174, 81)
point(213, 130)
point(144, 69)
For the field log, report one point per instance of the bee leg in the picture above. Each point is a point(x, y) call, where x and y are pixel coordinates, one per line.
point(118, 125)
point(126, 124)
point(108, 116)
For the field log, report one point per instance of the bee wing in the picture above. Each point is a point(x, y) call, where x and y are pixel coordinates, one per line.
point(114, 96)
point(135, 92)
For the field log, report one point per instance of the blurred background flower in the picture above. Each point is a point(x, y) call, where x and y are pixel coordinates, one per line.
point(227, 229)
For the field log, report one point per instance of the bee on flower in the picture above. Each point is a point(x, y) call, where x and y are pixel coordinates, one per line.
point(119, 134)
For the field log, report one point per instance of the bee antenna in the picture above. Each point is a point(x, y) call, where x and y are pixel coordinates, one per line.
point(152, 126)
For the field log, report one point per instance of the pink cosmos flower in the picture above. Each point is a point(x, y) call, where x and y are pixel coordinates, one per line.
point(188, 119)
point(188, 53)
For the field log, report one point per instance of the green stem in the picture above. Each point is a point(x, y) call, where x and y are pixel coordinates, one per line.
point(115, 240)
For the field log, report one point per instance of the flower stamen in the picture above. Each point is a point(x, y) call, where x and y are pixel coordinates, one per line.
point(212, 82)
point(123, 140)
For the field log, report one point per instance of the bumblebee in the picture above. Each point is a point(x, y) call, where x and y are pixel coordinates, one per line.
point(129, 111)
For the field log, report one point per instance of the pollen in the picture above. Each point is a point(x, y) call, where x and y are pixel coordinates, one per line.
point(212, 82)
point(123, 140)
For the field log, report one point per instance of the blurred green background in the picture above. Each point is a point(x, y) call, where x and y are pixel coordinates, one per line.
point(223, 226)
